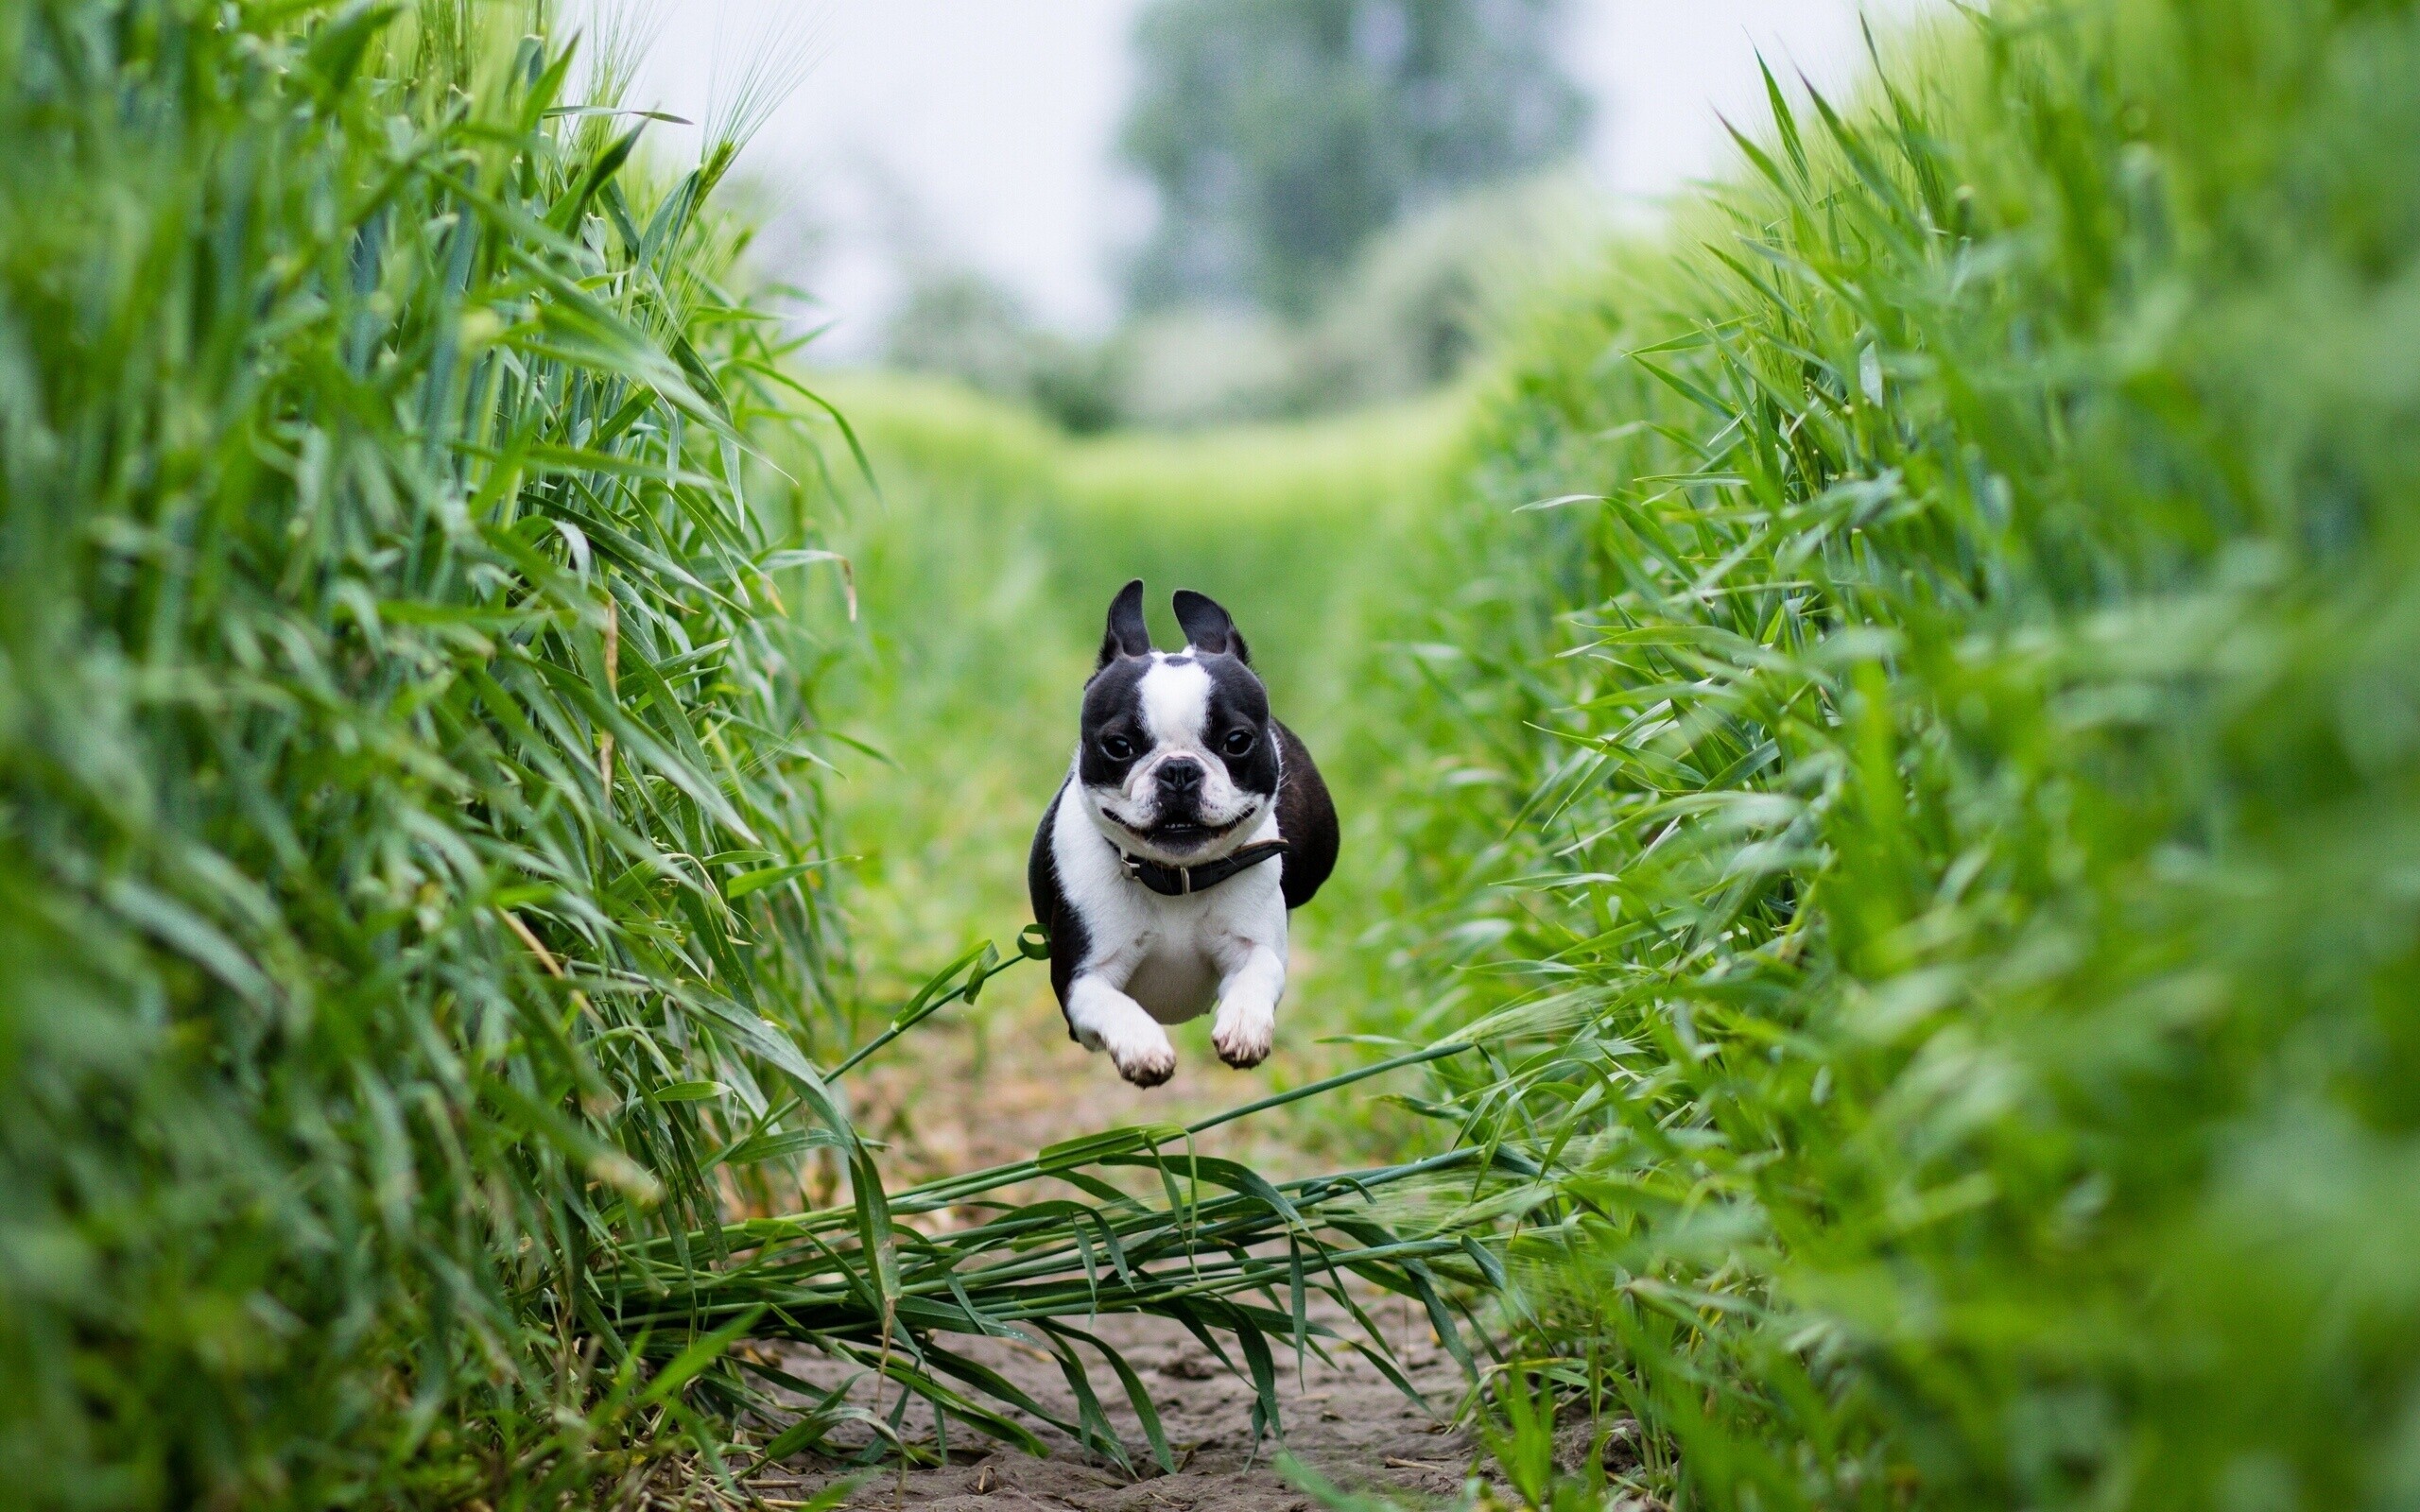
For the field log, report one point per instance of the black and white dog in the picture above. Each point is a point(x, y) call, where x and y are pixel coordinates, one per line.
point(1189, 823)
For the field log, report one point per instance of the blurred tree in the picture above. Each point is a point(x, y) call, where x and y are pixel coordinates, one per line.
point(957, 321)
point(962, 323)
point(1281, 133)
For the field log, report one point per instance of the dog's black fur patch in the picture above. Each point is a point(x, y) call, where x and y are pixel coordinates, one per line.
point(1306, 817)
point(1128, 634)
point(1239, 705)
point(1069, 939)
point(1114, 710)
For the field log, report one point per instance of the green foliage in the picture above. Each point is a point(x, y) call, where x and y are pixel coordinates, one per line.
point(1524, 1449)
point(407, 837)
point(1932, 679)
point(1281, 133)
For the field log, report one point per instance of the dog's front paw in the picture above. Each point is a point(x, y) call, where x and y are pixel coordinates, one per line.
point(1243, 1036)
point(1145, 1062)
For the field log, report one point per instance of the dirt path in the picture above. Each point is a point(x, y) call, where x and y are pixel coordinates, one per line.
point(1343, 1419)
point(968, 1090)
point(959, 1098)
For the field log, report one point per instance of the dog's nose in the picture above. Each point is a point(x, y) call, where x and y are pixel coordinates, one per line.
point(1181, 776)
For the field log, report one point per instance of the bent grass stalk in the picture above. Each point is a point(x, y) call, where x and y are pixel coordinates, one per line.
point(1243, 1261)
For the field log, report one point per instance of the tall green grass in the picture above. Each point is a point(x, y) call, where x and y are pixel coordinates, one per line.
point(409, 838)
point(1911, 761)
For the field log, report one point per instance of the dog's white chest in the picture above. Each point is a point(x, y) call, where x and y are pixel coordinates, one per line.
point(1175, 980)
point(1169, 955)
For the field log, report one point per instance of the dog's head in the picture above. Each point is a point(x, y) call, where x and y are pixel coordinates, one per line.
point(1178, 762)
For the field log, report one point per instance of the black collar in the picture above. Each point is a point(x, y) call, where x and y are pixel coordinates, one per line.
point(1176, 882)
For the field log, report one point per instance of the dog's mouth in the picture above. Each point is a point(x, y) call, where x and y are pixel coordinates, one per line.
point(1187, 836)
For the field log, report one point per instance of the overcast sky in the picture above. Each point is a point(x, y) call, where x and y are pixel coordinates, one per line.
point(983, 131)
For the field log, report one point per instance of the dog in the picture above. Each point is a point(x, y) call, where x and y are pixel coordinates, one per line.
point(1189, 823)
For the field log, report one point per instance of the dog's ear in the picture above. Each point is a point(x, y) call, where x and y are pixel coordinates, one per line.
point(1127, 634)
point(1207, 627)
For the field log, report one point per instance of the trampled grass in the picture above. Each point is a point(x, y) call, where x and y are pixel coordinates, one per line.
point(1913, 752)
point(1229, 1253)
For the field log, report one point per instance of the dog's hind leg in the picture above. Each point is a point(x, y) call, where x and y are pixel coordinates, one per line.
point(1106, 1018)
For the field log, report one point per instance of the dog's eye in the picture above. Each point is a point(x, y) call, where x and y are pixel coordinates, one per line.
point(1116, 747)
point(1238, 743)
